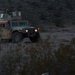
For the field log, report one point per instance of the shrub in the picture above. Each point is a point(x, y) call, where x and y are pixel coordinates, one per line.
point(38, 58)
point(73, 41)
point(64, 60)
point(23, 60)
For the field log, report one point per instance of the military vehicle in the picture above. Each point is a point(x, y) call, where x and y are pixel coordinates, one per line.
point(13, 28)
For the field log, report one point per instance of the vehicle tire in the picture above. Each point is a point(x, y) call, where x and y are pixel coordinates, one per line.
point(17, 37)
point(35, 38)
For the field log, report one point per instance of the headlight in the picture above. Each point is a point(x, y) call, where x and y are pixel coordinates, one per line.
point(20, 28)
point(38, 28)
point(35, 30)
point(26, 30)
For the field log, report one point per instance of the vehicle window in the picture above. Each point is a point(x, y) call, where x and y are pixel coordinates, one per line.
point(14, 14)
point(14, 24)
point(1, 15)
point(22, 23)
point(2, 25)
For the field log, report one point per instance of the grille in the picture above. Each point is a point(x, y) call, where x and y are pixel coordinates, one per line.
point(31, 30)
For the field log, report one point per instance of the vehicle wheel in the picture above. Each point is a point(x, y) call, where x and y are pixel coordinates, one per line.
point(16, 37)
point(35, 38)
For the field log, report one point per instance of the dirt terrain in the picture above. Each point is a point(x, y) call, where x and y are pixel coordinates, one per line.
point(55, 36)
point(26, 52)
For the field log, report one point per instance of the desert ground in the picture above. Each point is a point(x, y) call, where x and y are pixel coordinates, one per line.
point(55, 36)
point(14, 56)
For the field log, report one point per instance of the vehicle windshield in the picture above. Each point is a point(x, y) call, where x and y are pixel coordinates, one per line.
point(22, 23)
point(15, 24)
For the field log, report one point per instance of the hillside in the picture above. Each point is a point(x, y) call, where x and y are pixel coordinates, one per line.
point(55, 51)
point(40, 12)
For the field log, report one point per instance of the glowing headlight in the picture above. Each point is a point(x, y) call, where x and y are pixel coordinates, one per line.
point(35, 30)
point(26, 30)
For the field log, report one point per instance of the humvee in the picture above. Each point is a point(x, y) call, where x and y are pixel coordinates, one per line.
point(15, 29)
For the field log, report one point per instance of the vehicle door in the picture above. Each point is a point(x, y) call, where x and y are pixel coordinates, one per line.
point(0, 30)
point(5, 33)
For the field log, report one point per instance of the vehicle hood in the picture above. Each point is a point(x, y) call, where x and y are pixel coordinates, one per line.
point(25, 27)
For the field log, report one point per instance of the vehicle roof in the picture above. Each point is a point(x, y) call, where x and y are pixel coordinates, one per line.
point(18, 20)
point(3, 22)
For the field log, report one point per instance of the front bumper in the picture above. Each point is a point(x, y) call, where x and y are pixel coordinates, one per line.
point(30, 30)
point(30, 34)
